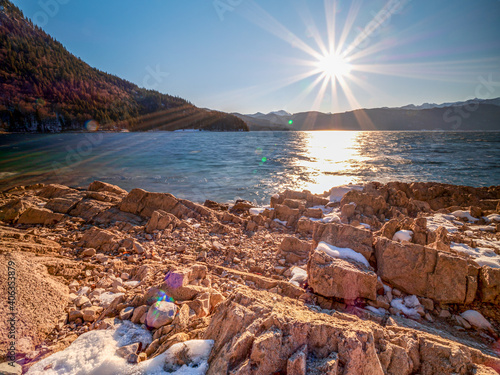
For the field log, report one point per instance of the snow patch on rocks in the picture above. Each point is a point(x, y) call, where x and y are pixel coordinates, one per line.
point(343, 253)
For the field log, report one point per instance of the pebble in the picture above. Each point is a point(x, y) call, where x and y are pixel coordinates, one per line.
point(88, 253)
point(462, 322)
point(444, 314)
point(81, 300)
point(126, 313)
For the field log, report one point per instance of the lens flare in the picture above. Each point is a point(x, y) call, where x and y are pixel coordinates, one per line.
point(91, 125)
point(162, 296)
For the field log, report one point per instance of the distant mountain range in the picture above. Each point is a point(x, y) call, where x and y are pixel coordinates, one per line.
point(469, 102)
point(474, 114)
point(44, 88)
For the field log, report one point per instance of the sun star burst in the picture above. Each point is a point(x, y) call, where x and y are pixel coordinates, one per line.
point(333, 66)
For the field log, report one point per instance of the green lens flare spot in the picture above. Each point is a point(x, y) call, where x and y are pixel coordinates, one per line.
point(290, 122)
point(264, 159)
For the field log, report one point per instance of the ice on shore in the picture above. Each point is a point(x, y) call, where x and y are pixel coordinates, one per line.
point(337, 192)
point(442, 220)
point(299, 276)
point(379, 311)
point(401, 305)
point(343, 253)
point(459, 214)
point(332, 217)
point(403, 235)
point(481, 255)
point(196, 351)
point(284, 223)
point(487, 228)
point(329, 215)
point(259, 210)
point(107, 298)
point(492, 217)
point(488, 242)
point(94, 353)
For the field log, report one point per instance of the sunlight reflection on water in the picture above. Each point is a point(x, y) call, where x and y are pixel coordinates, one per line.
point(326, 156)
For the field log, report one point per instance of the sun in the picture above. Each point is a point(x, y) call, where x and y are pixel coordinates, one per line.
point(333, 66)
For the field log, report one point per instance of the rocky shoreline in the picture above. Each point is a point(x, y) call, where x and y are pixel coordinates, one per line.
point(381, 279)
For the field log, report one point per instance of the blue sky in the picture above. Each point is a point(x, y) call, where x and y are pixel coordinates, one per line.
point(253, 55)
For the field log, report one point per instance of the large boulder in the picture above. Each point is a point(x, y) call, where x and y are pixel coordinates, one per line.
point(252, 331)
point(340, 278)
point(36, 215)
point(55, 190)
point(113, 215)
point(100, 239)
point(426, 272)
point(294, 250)
point(285, 213)
point(365, 202)
point(104, 186)
point(88, 209)
point(341, 235)
point(160, 220)
point(14, 208)
point(308, 199)
point(64, 204)
point(305, 226)
point(256, 332)
point(143, 203)
point(489, 285)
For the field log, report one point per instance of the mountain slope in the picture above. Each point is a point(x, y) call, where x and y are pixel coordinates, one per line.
point(470, 102)
point(476, 114)
point(43, 87)
point(483, 117)
point(260, 121)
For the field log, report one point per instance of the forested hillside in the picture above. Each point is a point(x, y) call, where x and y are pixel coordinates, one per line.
point(44, 88)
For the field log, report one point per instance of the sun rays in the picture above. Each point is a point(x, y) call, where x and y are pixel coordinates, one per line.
point(328, 68)
point(339, 55)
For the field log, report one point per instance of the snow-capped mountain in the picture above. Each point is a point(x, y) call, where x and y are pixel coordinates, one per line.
point(495, 101)
point(280, 113)
point(274, 113)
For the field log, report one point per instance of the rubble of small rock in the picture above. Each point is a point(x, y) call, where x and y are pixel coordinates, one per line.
point(396, 278)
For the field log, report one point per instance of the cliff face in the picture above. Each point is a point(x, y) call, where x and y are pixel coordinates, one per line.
point(44, 88)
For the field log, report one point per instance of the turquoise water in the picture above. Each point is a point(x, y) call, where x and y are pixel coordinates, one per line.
point(254, 165)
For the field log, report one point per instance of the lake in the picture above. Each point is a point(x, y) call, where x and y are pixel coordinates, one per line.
point(253, 165)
